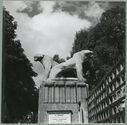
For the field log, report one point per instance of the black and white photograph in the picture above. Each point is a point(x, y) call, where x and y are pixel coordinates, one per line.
point(63, 62)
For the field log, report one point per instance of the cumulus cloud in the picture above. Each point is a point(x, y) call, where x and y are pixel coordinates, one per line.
point(50, 31)
point(58, 29)
point(94, 10)
point(86, 10)
point(31, 9)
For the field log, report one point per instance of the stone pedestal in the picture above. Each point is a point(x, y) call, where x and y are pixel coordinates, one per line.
point(63, 101)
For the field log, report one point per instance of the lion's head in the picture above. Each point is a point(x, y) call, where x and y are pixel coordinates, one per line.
point(88, 54)
point(38, 57)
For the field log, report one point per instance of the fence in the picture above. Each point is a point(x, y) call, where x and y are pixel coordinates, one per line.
point(106, 103)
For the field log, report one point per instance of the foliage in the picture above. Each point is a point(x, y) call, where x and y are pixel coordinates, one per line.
point(20, 94)
point(29, 118)
point(106, 39)
point(58, 59)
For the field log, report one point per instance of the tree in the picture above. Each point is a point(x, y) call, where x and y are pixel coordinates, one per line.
point(20, 94)
point(58, 59)
point(107, 40)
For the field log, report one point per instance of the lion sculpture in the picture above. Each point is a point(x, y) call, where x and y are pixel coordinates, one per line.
point(54, 70)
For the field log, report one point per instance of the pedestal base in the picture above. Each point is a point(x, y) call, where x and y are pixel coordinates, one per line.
point(63, 101)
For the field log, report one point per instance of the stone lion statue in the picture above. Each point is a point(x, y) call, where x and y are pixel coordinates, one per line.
point(73, 66)
point(48, 63)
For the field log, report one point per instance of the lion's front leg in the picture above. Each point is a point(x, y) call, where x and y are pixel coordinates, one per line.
point(80, 71)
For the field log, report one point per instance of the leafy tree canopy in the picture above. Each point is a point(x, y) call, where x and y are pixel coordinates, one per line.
point(106, 39)
point(20, 94)
point(58, 59)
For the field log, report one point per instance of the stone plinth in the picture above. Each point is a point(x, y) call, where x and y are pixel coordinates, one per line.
point(63, 100)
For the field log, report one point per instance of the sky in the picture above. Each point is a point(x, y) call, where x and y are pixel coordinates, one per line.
point(49, 27)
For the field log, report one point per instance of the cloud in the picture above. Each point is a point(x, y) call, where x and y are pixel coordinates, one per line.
point(58, 29)
point(90, 10)
point(107, 5)
point(13, 6)
point(83, 9)
point(94, 10)
point(47, 6)
point(31, 9)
